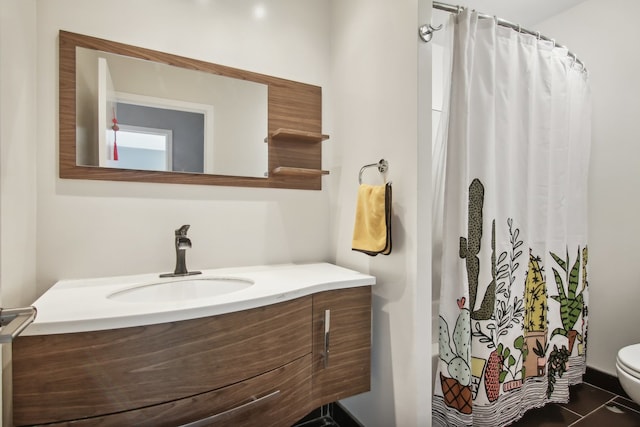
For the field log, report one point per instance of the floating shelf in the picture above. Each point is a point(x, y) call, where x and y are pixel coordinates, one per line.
point(301, 172)
point(300, 135)
point(306, 148)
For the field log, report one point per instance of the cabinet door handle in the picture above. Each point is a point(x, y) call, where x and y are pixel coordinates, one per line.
point(217, 417)
point(327, 328)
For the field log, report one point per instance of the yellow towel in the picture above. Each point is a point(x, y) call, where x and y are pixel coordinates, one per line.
point(372, 229)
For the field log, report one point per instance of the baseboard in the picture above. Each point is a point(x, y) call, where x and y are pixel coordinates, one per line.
point(604, 381)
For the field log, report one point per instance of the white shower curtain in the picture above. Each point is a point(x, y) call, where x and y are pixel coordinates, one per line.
point(514, 291)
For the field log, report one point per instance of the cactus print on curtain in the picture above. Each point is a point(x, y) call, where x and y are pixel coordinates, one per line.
point(514, 291)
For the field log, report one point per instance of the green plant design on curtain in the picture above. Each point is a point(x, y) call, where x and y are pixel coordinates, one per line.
point(571, 307)
point(457, 387)
point(508, 311)
point(535, 323)
point(571, 302)
point(585, 309)
point(558, 359)
point(469, 249)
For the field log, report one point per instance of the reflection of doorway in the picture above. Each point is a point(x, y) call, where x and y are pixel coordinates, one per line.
point(191, 126)
point(141, 148)
point(187, 130)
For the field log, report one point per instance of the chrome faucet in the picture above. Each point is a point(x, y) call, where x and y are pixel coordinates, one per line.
point(182, 244)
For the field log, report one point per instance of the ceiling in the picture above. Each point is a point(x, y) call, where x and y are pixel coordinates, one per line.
point(524, 12)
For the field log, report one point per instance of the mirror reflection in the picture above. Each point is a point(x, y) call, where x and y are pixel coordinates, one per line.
point(137, 114)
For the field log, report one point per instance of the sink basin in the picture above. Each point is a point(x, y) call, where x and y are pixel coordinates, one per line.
point(181, 290)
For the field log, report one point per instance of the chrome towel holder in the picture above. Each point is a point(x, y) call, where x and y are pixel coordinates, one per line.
point(382, 165)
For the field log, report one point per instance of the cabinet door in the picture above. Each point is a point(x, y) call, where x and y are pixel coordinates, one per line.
point(276, 398)
point(341, 344)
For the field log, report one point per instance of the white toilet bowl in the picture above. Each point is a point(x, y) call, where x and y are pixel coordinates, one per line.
point(628, 367)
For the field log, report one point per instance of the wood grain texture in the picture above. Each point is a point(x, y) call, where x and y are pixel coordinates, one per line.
point(299, 135)
point(298, 171)
point(72, 376)
point(293, 381)
point(349, 369)
point(179, 372)
point(291, 105)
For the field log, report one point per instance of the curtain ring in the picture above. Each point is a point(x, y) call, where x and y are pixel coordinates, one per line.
point(538, 35)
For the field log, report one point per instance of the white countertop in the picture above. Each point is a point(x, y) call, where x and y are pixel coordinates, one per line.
point(84, 305)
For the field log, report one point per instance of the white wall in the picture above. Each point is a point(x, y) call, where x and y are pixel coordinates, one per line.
point(17, 151)
point(375, 87)
point(91, 228)
point(604, 33)
point(17, 166)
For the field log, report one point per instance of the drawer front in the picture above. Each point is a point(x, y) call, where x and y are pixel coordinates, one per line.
point(73, 376)
point(277, 398)
point(342, 358)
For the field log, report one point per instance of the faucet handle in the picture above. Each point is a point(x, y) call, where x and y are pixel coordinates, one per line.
point(182, 243)
point(182, 231)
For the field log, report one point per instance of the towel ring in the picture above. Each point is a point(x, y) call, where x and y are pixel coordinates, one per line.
point(382, 165)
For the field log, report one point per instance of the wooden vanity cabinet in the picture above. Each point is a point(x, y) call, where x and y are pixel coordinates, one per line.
point(259, 367)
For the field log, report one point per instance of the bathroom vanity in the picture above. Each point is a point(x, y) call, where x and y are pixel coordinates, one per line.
point(265, 355)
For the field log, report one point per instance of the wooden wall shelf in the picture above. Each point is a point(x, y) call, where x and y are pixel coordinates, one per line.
point(301, 172)
point(296, 155)
point(299, 135)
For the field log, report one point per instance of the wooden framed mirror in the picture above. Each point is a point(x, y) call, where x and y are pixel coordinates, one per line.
point(293, 137)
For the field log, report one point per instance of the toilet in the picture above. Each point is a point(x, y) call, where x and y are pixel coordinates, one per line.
point(628, 367)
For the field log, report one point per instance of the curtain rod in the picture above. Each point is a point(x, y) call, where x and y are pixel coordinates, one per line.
point(426, 31)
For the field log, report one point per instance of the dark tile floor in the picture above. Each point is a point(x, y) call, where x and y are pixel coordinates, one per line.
point(589, 406)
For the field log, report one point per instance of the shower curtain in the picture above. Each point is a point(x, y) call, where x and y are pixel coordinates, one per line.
point(514, 291)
